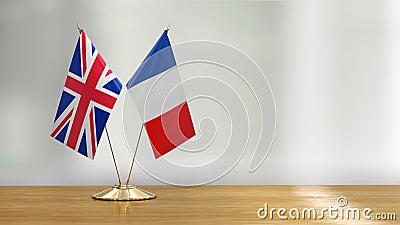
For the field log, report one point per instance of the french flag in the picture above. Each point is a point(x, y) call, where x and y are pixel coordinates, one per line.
point(160, 99)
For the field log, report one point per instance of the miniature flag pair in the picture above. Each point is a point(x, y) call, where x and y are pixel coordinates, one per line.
point(91, 91)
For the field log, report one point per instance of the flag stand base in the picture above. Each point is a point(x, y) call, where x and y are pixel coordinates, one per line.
point(124, 192)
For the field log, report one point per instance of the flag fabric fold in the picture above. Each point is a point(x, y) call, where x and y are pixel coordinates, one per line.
point(89, 94)
point(157, 91)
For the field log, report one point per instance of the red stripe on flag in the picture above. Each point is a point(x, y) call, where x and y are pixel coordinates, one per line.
point(83, 55)
point(92, 134)
point(61, 124)
point(170, 129)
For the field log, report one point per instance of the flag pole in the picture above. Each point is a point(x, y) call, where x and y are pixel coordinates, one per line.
point(134, 155)
point(112, 153)
point(140, 133)
point(121, 192)
point(108, 136)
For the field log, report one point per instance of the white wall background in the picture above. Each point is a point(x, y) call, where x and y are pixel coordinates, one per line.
point(334, 67)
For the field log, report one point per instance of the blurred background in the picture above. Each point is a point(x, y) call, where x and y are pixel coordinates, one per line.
point(333, 67)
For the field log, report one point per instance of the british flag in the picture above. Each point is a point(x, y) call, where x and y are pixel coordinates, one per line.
point(90, 92)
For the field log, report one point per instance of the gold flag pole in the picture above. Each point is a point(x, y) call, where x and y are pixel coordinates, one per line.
point(112, 153)
point(108, 136)
point(134, 155)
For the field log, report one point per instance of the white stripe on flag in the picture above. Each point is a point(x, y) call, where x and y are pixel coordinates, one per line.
point(159, 94)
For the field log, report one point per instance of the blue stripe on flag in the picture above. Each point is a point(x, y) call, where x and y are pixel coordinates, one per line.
point(61, 136)
point(66, 99)
point(114, 86)
point(159, 59)
point(101, 118)
point(83, 146)
point(162, 43)
point(75, 66)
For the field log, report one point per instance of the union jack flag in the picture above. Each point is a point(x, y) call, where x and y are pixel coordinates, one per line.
point(90, 92)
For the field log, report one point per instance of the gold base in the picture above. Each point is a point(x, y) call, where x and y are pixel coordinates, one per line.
point(124, 192)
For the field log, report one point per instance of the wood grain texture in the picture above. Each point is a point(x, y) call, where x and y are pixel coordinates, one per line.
point(189, 205)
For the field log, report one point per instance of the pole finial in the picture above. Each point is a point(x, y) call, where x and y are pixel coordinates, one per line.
point(79, 27)
point(168, 27)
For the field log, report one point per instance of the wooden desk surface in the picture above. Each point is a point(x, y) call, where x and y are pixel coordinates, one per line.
point(188, 205)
